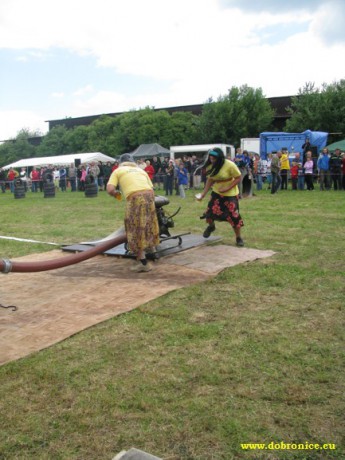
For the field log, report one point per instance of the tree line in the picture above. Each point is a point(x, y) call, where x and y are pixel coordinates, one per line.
point(242, 112)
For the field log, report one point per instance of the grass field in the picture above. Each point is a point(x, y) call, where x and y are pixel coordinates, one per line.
point(255, 355)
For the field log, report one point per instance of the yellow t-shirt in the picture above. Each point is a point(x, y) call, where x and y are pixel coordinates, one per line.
point(284, 161)
point(227, 173)
point(130, 178)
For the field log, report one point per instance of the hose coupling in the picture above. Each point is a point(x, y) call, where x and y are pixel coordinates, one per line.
point(7, 266)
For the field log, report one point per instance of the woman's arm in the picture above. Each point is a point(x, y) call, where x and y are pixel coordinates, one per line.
point(233, 184)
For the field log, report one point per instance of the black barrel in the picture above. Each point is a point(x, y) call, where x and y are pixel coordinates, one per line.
point(19, 189)
point(48, 186)
point(91, 189)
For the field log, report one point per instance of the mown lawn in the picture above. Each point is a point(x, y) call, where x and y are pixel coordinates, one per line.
point(255, 355)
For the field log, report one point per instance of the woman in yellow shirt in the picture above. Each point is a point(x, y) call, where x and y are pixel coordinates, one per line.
point(284, 169)
point(141, 224)
point(223, 176)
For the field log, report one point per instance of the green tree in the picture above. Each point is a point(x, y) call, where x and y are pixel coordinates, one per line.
point(77, 140)
point(184, 130)
point(138, 127)
point(101, 136)
point(54, 142)
point(18, 148)
point(243, 112)
point(318, 109)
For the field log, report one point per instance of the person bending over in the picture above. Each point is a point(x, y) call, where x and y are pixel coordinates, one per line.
point(141, 224)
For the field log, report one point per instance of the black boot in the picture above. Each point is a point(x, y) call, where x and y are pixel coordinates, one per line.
point(211, 228)
point(239, 242)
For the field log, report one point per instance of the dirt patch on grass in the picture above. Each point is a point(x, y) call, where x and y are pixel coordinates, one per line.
point(54, 305)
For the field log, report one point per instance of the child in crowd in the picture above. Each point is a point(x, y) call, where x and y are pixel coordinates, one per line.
point(308, 171)
point(294, 175)
point(182, 178)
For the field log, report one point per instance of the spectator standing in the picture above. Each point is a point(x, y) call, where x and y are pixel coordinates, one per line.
point(56, 177)
point(62, 178)
point(306, 147)
point(248, 160)
point(115, 165)
point(100, 178)
point(35, 179)
point(323, 167)
point(11, 177)
point(157, 176)
point(93, 170)
point(196, 171)
point(72, 177)
point(275, 172)
point(187, 162)
point(309, 171)
point(300, 177)
point(258, 171)
point(42, 173)
point(150, 170)
point(164, 165)
point(3, 177)
point(343, 169)
point(182, 178)
point(82, 178)
point(107, 173)
point(176, 168)
point(24, 178)
point(294, 175)
point(170, 178)
point(284, 169)
point(335, 169)
point(268, 170)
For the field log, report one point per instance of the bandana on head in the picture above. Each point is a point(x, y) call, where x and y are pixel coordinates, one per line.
point(213, 153)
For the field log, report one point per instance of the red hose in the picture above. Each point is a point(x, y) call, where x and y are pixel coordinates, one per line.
point(7, 266)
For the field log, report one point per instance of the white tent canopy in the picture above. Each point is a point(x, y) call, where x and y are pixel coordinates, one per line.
point(61, 160)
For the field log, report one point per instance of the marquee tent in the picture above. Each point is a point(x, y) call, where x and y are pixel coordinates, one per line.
point(272, 142)
point(60, 160)
point(150, 150)
point(337, 145)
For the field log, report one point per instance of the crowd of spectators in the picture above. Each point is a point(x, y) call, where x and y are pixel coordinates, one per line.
point(301, 170)
point(279, 171)
point(175, 176)
point(167, 175)
point(64, 177)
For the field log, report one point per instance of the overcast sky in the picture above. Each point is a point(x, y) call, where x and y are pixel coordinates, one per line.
point(74, 58)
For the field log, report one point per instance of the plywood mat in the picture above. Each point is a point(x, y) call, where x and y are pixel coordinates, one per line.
point(56, 304)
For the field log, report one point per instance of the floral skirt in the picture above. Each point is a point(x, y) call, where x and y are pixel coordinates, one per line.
point(224, 208)
point(141, 222)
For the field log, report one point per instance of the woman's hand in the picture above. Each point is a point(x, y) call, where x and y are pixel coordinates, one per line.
point(118, 195)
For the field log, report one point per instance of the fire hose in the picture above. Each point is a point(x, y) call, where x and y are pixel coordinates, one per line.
point(7, 266)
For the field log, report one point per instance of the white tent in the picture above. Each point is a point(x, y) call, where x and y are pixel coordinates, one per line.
point(60, 160)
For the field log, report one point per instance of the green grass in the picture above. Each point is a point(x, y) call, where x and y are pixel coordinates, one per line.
point(254, 355)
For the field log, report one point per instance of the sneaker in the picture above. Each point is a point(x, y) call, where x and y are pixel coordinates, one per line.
point(211, 228)
point(140, 268)
point(239, 242)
